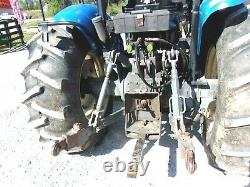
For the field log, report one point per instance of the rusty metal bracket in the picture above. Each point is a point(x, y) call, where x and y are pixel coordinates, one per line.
point(187, 151)
point(78, 138)
point(110, 119)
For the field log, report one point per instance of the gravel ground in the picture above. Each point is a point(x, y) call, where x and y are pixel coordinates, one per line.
point(26, 161)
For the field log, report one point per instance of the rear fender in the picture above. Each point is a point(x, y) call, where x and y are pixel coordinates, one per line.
point(209, 7)
point(82, 14)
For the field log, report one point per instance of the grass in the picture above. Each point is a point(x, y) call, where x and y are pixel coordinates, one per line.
point(33, 13)
point(31, 24)
point(27, 36)
point(4, 48)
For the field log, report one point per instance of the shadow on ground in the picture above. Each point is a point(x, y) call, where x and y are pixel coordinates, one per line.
point(115, 138)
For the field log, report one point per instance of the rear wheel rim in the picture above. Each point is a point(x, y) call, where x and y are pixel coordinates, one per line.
point(211, 64)
point(92, 68)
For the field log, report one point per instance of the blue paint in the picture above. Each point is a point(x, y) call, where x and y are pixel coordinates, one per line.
point(207, 8)
point(82, 14)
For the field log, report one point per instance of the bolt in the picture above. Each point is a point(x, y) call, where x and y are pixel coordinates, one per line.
point(144, 103)
point(77, 127)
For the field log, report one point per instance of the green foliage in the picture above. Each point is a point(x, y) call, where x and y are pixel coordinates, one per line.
point(114, 8)
point(55, 6)
point(30, 4)
point(23, 5)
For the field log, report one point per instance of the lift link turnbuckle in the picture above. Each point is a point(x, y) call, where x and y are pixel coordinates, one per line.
point(97, 113)
point(80, 137)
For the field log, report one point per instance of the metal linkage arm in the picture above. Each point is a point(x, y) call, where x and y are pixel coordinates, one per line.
point(176, 119)
point(96, 114)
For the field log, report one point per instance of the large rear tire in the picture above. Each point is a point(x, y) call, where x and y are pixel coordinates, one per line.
point(228, 131)
point(63, 82)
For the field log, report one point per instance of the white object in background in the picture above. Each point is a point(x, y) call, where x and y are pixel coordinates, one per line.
point(17, 11)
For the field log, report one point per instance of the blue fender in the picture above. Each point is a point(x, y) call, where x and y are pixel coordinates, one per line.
point(207, 8)
point(81, 14)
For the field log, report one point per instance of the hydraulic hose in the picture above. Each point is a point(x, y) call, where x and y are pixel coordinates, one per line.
point(183, 55)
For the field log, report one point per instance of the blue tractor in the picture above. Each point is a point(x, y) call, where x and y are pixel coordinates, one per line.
point(175, 65)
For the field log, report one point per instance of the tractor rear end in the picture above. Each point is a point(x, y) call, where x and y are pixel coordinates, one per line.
point(80, 63)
